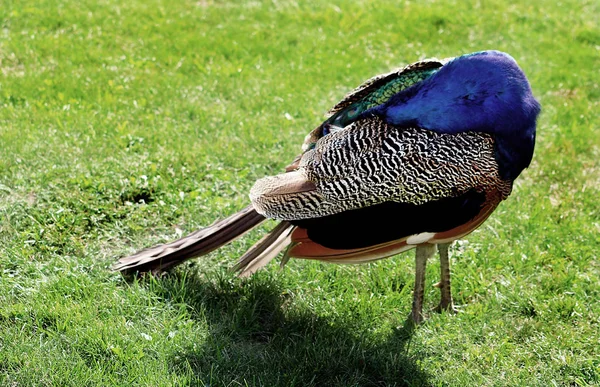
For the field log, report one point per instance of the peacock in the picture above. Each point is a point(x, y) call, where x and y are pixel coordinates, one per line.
point(414, 158)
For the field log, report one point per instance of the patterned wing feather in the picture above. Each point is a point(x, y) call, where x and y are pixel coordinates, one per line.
point(371, 162)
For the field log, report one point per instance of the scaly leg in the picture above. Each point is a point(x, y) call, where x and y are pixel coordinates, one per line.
point(444, 284)
point(423, 252)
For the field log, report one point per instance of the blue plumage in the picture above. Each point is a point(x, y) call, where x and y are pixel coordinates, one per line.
point(481, 92)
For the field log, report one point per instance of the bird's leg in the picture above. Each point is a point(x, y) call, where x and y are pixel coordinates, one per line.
point(444, 284)
point(423, 252)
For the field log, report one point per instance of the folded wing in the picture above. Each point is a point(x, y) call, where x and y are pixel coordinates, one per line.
point(372, 190)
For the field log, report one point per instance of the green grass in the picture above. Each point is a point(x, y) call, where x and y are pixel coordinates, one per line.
point(124, 124)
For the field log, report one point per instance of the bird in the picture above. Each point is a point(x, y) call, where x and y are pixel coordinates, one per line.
point(414, 158)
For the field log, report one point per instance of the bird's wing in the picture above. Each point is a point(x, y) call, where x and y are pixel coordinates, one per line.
point(371, 162)
point(380, 88)
point(373, 92)
point(355, 181)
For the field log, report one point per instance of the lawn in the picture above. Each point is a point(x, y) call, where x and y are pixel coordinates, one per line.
point(128, 123)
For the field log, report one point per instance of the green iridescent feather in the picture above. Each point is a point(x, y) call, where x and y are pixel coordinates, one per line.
point(371, 93)
point(379, 95)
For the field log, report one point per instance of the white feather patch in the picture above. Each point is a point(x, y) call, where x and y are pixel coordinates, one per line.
point(417, 239)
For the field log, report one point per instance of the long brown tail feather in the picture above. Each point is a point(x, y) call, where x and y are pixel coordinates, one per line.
point(201, 242)
point(198, 243)
point(265, 250)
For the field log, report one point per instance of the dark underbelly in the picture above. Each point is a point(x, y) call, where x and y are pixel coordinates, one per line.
point(390, 221)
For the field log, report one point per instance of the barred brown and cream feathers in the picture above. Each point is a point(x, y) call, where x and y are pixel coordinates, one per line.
point(370, 162)
point(417, 157)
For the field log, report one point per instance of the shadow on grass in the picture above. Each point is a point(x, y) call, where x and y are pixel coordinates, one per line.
point(256, 338)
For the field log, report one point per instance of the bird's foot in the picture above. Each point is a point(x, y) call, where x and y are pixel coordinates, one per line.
point(446, 304)
point(446, 307)
point(416, 317)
